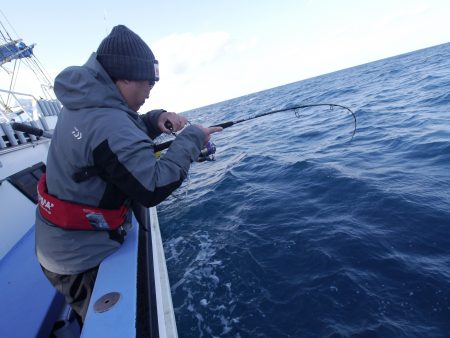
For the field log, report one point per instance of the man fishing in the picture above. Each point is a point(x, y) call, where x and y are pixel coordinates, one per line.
point(101, 158)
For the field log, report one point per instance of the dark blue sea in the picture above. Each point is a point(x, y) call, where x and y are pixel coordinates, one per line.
point(298, 231)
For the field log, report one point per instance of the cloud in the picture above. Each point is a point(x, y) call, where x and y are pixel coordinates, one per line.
point(194, 69)
point(197, 70)
point(200, 69)
point(186, 52)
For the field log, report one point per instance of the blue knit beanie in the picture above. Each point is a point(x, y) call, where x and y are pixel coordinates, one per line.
point(125, 56)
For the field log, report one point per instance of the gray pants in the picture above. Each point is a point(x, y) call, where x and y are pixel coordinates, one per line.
point(77, 289)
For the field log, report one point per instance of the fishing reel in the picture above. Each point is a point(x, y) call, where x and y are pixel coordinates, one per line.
point(207, 153)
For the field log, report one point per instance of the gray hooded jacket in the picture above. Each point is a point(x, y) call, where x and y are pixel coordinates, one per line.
point(97, 128)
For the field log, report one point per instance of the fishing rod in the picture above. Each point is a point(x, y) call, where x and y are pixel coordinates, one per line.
point(26, 128)
point(168, 124)
point(205, 154)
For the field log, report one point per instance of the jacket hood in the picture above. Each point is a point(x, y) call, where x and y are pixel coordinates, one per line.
point(88, 86)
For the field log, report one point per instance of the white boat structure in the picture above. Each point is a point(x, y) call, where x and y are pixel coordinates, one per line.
point(131, 297)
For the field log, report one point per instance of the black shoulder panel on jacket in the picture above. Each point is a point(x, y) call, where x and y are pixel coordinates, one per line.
point(121, 183)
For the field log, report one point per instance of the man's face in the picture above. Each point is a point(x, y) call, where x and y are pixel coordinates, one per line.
point(135, 92)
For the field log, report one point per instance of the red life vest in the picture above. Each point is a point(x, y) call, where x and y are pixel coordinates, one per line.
point(73, 216)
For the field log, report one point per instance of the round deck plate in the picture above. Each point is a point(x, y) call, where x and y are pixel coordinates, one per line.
point(106, 302)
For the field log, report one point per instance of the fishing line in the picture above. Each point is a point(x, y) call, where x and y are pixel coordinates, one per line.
point(296, 109)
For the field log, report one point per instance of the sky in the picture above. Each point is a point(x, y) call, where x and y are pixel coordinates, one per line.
point(211, 51)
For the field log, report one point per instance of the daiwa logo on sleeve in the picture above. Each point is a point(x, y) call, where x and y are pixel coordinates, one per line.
point(76, 133)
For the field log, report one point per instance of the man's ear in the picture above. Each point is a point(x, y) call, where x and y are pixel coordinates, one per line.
point(125, 82)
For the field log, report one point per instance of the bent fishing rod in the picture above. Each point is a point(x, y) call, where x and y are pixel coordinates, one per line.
point(168, 124)
point(210, 148)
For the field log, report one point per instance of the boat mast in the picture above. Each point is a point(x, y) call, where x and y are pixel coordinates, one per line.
point(16, 52)
point(13, 54)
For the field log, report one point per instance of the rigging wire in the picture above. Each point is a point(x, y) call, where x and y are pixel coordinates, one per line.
point(13, 82)
point(4, 28)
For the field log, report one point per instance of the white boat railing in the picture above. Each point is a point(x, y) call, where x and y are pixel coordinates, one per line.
point(166, 314)
point(25, 108)
point(115, 294)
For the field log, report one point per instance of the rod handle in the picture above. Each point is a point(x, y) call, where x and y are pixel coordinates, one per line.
point(25, 128)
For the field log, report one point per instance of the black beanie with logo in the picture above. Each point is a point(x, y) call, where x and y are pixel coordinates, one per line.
point(125, 56)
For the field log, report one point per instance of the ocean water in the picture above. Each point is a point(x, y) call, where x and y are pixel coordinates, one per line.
point(294, 231)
